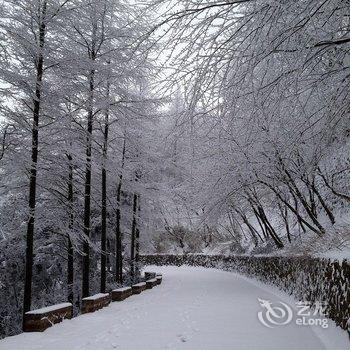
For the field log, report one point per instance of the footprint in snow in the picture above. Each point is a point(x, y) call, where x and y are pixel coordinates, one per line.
point(182, 337)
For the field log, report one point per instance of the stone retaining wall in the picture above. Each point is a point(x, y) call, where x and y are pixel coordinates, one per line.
point(305, 278)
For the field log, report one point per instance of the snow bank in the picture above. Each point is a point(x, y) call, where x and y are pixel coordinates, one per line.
point(97, 296)
point(123, 289)
point(48, 309)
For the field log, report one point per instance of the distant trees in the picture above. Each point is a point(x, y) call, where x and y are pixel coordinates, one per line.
point(266, 85)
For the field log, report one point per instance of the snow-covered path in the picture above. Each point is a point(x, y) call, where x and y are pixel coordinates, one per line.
point(194, 309)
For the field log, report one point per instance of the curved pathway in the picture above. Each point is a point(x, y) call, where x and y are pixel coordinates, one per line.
point(194, 309)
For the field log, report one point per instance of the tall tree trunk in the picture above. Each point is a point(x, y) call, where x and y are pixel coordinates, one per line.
point(70, 266)
point(254, 233)
point(284, 214)
point(137, 240)
point(27, 296)
point(108, 258)
point(293, 188)
point(309, 185)
point(296, 210)
point(290, 207)
point(269, 228)
point(137, 251)
point(104, 202)
point(118, 234)
point(258, 219)
point(323, 203)
point(87, 198)
point(133, 238)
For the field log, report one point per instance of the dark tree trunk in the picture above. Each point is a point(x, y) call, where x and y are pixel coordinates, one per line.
point(133, 238)
point(137, 251)
point(70, 267)
point(118, 234)
point(103, 232)
point(324, 205)
point(256, 214)
point(137, 239)
point(291, 208)
point(296, 210)
point(260, 214)
point(254, 233)
point(294, 189)
point(104, 205)
point(313, 207)
point(269, 228)
point(87, 198)
point(284, 214)
point(70, 271)
point(108, 262)
point(27, 296)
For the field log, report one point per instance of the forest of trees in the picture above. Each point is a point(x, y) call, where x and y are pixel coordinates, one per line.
point(187, 126)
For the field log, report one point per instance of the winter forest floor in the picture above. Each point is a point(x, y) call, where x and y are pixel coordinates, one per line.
point(194, 308)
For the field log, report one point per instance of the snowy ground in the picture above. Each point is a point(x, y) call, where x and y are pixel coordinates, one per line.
point(194, 308)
